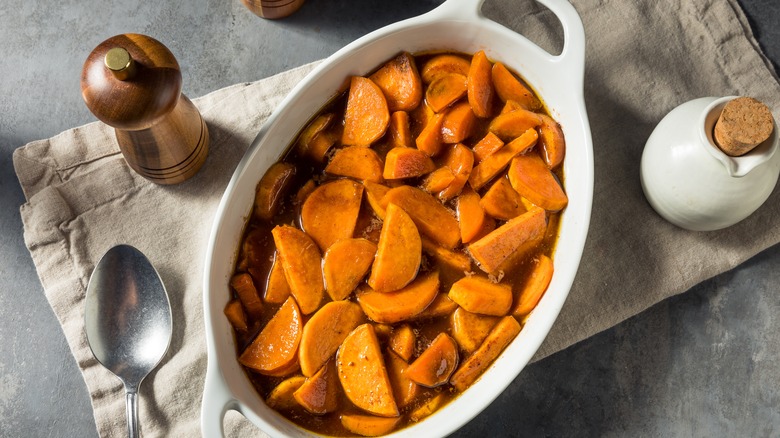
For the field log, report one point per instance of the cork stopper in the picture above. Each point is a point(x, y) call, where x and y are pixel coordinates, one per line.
point(743, 124)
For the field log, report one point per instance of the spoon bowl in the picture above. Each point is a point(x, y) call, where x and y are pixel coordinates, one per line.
point(128, 320)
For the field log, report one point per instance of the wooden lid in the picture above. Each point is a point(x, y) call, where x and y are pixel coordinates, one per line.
point(130, 81)
point(743, 124)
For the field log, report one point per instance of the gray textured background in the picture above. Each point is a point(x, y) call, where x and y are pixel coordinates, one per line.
point(706, 363)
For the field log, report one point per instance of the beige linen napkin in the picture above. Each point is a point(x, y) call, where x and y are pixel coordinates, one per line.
point(643, 59)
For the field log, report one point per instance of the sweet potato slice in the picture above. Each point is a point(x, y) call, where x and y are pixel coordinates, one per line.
point(368, 425)
point(276, 347)
point(509, 106)
point(407, 163)
point(429, 140)
point(427, 408)
point(470, 329)
point(400, 133)
point(345, 264)
point(496, 162)
point(234, 312)
point(478, 294)
point(458, 123)
point(438, 180)
point(500, 244)
point(502, 201)
point(312, 130)
point(325, 331)
point(322, 142)
point(501, 335)
point(319, 394)
point(281, 397)
point(331, 211)
point(276, 289)
point(305, 191)
point(441, 65)
point(551, 141)
point(509, 126)
point(374, 194)
point(429, 215)
point(460, 160)
point(445, 90)
point(485, 147)
point(480, 85)
point(534, 287)
point(398, 254)
point(435, 365)
point(471, 215)
point(404, 389)
point(401, 305)
point(452, 265)
point(363, 374)
point(301, 261)
point(402, 341)
point(247, 293)
point(367, 115)
point(273, 186)
point(400, 82)
point(531, 178)
point(508, 87)
point(356, 162)
point(442, 305)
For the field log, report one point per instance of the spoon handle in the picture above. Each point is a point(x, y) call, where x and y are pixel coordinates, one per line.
point(132, 414)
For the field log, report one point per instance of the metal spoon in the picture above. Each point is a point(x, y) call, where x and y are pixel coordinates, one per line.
point(128, 320)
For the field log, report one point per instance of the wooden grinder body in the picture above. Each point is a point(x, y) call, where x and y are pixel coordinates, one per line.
point(160, 132)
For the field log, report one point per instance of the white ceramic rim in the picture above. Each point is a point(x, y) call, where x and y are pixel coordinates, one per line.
point(456, 25)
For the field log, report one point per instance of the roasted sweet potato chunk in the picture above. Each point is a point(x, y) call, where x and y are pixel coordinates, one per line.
point(398, 254)
point(476, 364)
point(369, 425)
point(400, 133)
point(374, 195)
point(247, 293)
point(493, 164)
point(470, 329)
point(495, 248)
point(508, 87)
point(235, 314)
point(325, 331)
point(431, 218)
point(502, 201)
point(402, 341)
point(345, 264)
point(531, 178)
point(438, 180)
point(442, 305)
point(407, 163)
point(404, 389)
point(510, 125)
point(319, 394)
point(331, 211)
point(551, 141)
point(444, 64)
point(367, 114)
point(276, 347)
point(273, 186)
point(489, 144)
point(471, 215)
point(281, 397)
point(276, 290)
point(400, 82)
point(460, 160)
point(435, 365)
point(363, 374)
point(301, 261)
point(458, 123)
point(403, 304)
point(445, 90)
point(317, 126)
point(534, 287)
point(356, 162)
point(478, 294)
point(429, 140)
point(427, 408)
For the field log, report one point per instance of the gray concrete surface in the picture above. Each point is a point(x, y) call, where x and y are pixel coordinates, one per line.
point(706, 363)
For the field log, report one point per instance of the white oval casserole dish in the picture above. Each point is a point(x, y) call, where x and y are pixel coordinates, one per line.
point(458, 26)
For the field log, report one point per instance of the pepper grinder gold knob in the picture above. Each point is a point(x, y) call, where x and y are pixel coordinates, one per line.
point(132, 82)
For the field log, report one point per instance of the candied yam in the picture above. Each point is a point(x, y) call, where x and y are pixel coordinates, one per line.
point(435, 365)
point(276, 347)
point(374, 194)
point(460, 160)
point(551, 141)
point(402, 341)
point(322, 142)
point(367, 115)
point(509, 126)
point(500, 244)
point(442, 305)
point(431, 218)
point(509, 106)
point(281, 397)
point(363, 374)
point(438, 180)
point(345, 264)
point(500, 336)
point(400, 134)
point(480, 85)
point(400, 82)
point(356, 162)
point(407, 163)
point(471, 215)
point(368, 425)
point(441, 65)
point(331, 211)
point(305, 191)
point(531, 178)
point(429, 140)
point(458, 123)
point(247, 293)
point(427, 408)
point(493, 164)
point(276, 290)
point(404, 389)
point(324, 332)
point(508, 87)
point(398, 254)
point(478, 294)
point(273, 186)
point(311, 131)
point(452, 265)
point(445, 90)
point(400, 305)
point(471, 329)
point(487, 146)
point(301, 261)
point(502, 201)
point(319, 394)
point(234, 312)
point(534, 287)
point(487, 227)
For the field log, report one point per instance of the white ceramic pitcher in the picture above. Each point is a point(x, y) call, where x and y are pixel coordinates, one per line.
point(690, 182)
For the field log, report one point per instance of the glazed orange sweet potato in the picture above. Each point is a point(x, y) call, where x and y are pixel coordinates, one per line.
point(502, 201)
point(531, 178)
point(301, 262)
point(480, 85)
point(438, 180)
point(474, 365)
point(458, 123)
point(276, 347)
point(331, 211)
point(276, 289)
point(499, 245)
point(510, 125)
point(235, 314)
point(429, 140)
point(367, 114)
point(460, 160)
point(444, 64)
point(402, 341)
point(445, 90)
point(493, 164)
point(489, 144)
point(345, 264)
point(551, 141)
point(470, 329)
point(356, 162)
point(508, 87)
point(398, 254)
point(400, 133)
point(281, 397)
point(247, 293)
point(319, 394)
point(406, 163)
point(471, 216)
point(325, 331)
point(368, 425)
point(374, 195)
point(317, 126)
point(404, 389)
point(271, 188)
point(435, 365)
point(430, 217)
point(478, 294)
point(400, 82)
point(401, 305)
point(533, 289)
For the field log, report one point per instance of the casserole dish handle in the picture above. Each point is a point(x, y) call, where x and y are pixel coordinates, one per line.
point(217, 400)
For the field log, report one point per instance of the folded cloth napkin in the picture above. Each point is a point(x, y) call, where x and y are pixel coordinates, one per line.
point(643, 59)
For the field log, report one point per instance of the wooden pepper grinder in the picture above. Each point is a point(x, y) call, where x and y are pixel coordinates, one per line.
point(132, 82)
